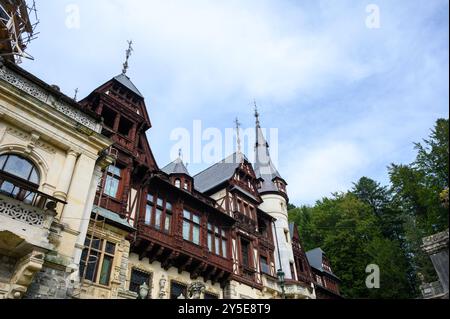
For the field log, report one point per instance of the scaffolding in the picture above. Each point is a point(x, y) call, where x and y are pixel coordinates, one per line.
point(18, 22)
point(97, 227)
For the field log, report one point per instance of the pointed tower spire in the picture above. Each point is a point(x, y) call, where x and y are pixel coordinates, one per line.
point(128, 52)
point(264, 167)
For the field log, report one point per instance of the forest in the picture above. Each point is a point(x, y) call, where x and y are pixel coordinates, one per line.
point(384, 224)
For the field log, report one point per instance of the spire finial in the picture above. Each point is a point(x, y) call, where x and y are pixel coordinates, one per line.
point(256, 114)
point(180, 154)
point(238, 128)
point(76, 95)
point(128, 55)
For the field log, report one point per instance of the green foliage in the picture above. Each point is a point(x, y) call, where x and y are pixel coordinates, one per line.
point(374, 224)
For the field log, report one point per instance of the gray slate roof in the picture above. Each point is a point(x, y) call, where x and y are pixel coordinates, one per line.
point(218, 173)
point(176, 167)
point(125, 81)
point(264, 167)
point(315, 259)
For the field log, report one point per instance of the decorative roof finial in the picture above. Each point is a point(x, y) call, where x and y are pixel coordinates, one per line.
point(238, 128)
point(180, 154)
point(257, 115)
point(128, 54)
point(76, 95)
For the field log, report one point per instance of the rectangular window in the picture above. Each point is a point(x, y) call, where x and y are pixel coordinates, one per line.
point(217, 240)
point(265, 269)
point(138, 278)
point(159, 214)
point(178, 291)
point(191, 227)
point(112, 184)
point(245, 250)
point(98, 265)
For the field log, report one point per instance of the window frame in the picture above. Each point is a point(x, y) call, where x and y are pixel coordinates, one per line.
point(192, 224)
point(215, 233)
point(101, 252)
point(112, 175)
point(163, 205)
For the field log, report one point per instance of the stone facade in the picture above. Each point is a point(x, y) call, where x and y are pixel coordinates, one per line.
point(47, 130)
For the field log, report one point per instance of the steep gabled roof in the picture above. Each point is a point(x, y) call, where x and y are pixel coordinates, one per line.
point(126, 82)
point(315, 259)
point(176, 167)
point(218, 173)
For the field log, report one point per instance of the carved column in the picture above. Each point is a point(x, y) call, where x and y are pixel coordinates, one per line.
point(66, 176)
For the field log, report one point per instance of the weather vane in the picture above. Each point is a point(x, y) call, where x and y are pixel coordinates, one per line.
point(238, 126)
point(128, 55)
point(256, 113)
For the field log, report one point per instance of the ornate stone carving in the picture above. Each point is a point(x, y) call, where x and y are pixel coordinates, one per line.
point(40, 94)
point(24, 273)
point(21, 213)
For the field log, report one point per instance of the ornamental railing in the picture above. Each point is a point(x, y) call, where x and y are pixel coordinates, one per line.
point(20, 200)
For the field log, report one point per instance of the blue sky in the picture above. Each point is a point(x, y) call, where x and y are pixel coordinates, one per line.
point(348, 100)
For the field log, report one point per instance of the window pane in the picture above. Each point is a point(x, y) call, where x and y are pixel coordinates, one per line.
point(34, 178)
point(159, 202)
point(2, 161)
point(186, 230)
point(217, 230)
point(114, 170)
point(187, 214)
point(91, 271)
point(9, 189)
point(150, 198)
point(110, 248)
point(148, 214)
point(106, 270)
point(168, 207)
point(224, 234)
point(158, 215)
point(176, 290)
point(18, 167)
point(111, 186)
point(217, 246)
point(210, 240)
point(210, 227)
point(196, 235)
point(196, 219)
point(168, 222)
point(224, 248)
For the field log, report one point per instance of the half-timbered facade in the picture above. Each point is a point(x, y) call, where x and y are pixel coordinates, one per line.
point(325, 281)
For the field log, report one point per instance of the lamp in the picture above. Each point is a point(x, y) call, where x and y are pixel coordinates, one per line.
point(281, 280)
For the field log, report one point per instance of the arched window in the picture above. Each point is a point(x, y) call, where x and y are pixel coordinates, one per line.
point(18, 177)
point(20, 167)
point(177, 183)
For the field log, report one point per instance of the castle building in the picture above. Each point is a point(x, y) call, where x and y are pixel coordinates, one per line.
point(87, 213)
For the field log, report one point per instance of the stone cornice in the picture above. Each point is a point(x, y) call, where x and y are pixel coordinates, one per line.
point(48, 98)
point(435, 243)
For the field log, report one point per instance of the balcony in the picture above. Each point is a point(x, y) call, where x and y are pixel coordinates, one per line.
point(172, 251)
point(26, 215)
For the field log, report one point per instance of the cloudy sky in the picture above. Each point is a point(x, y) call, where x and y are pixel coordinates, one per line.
point(348, 98)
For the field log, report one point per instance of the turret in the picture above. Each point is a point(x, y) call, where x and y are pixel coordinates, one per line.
point(272, 188)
